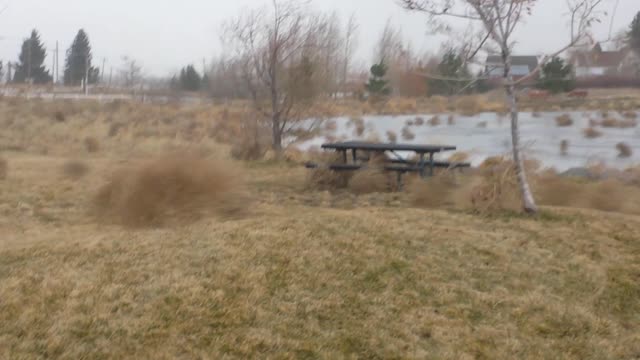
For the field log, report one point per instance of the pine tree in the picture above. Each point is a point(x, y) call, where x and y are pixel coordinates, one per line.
point(634, 34)
point(557, 76)
point(206, 85)
point(78, 56)
point(451, 67)
point(30, 66)
point(190, 79)
point(378, 85)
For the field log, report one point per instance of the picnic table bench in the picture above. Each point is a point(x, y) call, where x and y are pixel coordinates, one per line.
point(397, 164)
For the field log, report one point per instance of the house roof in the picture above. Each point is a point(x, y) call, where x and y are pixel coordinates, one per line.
point(519, 60)
point(605, 59)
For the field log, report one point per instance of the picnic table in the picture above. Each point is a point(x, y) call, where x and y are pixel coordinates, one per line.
point(421, 150)
point(425, 157)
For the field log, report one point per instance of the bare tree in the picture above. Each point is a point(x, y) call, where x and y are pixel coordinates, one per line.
point(275, 50)
point(350, 43)
point(499, 20)
point(131, 72)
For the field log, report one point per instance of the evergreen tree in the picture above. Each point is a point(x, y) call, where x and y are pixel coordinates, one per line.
point(633, 36)
point(206, 86)
point(451, 67)
point(30, 64)
point(190, 79)
point(378, 85)
point(78, 56)
point(557, 76)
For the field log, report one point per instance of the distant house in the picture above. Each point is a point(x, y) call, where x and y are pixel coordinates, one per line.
point(597, 62)
point(521, 66)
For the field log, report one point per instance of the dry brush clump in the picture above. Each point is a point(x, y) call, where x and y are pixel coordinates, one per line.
point(618, 123)
point(358, 125)
point(392, 137)
point(469, 105)
point(564, 147)
point(370, 180)
point(630, 114)
point(75, 169)
point(624, 150)
point(592, 133)
point(91, 144)
point(419, 121)
point(169, 190)
point(435, 192)
point(434, 121)
point(407, 134)
point(451, 120)
point(564, 120)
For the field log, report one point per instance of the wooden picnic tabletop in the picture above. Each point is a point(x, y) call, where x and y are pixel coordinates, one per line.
point(360, 145)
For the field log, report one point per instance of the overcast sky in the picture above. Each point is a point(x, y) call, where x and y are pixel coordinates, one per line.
point(167, 34)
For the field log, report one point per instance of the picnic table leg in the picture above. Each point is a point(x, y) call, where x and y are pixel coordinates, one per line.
point(421, 165)
point(399, 181)
point(344, 156)
point(353, 154)
point(431, 164)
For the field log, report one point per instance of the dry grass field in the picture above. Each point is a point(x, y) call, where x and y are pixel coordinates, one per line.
point(298, 273)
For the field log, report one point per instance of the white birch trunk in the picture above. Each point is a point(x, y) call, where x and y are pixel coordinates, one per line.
point(528, 201)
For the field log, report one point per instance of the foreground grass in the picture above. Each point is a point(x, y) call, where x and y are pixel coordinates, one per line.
point(296, 280)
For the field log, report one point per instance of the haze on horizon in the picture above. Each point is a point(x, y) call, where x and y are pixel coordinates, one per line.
point(164, 36)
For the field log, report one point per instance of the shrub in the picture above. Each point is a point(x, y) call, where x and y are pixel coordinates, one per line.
point(409, 123)
point(114, 129)
point(168, 190)
point(330, 126)
point(615, 123)
point(451, 120)
point(434, 192)
point(4, 168)
point(392, 137)
point(630, 115)
point(419, 121)
point(75, 169)
point(407, 134)
point(591, 133)
point(564, 147)
point(358, 124)
point(564, 120)
point(553, 190)
point(624, 150)
point(369, 181)
point(483, 124)
point(59, 116)
point(434, 121)
point(327, 179)
point(459, 157)
point(91, 144)
point(469, 105)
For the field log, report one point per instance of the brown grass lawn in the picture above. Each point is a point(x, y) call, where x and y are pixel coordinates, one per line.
point(303, 274)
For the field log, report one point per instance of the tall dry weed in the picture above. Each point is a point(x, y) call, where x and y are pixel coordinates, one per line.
point(370, 180)
point(75, 169)
point(169, 190)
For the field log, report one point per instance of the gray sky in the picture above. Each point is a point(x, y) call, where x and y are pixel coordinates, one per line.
point(167, 34)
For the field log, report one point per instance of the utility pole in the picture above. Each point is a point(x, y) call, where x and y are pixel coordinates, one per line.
point(110, 76)
point(53, 67)
point(57, 64)
point(9, 77)
point(86, 73)
point(104, 60)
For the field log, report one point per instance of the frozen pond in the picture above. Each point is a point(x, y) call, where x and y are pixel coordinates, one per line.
point(488, 134)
